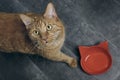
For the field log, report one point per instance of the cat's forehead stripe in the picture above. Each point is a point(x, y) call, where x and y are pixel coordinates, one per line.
point(41, 25)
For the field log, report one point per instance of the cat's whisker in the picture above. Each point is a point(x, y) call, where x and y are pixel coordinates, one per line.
point(35, 45)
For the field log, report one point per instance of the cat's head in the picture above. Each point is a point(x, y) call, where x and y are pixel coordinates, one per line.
point(44, 30)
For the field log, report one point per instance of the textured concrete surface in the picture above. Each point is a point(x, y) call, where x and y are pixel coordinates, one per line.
point(87, 22)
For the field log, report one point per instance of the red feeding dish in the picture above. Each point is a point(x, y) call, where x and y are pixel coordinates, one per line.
point(95, 59)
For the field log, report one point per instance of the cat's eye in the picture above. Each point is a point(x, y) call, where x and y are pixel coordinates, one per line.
point(49, 27)
point(36, 32)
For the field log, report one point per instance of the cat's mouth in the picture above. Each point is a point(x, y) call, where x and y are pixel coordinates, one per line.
point(43, 43)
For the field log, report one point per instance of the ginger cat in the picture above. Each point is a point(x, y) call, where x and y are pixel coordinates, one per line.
point(31, 33)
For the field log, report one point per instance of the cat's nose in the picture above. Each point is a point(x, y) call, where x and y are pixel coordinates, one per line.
point(44, 38)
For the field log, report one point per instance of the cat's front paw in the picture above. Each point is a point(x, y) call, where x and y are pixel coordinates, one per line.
point(73, 63)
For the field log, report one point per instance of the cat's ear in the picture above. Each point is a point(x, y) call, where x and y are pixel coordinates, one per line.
point(50, 11)
point(26, 19)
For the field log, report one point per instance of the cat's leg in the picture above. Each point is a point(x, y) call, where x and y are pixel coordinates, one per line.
point(69, 60)
point(63, 58)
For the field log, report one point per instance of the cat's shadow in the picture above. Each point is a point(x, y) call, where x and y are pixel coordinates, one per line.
point(19, 56)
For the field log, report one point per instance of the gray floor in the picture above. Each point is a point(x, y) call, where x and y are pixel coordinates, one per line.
point(87, 22)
